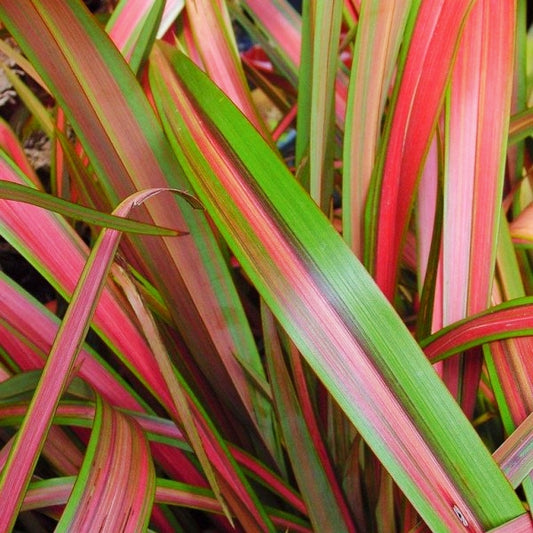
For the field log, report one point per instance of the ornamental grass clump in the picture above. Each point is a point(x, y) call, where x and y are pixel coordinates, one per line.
point(290, 274)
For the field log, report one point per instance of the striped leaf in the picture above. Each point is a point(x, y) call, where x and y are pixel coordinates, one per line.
point(127, 149)
point(379, 32)
point(115, 488)
point(433, 30)
point(329, 306)
point(58, 370)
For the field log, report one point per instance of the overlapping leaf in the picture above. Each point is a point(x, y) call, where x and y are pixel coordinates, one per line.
point(474, 162)
point(107, 497)
point(433, 32)
point(58, 371)
point(322, 295)
point(378, 39)
point(127, 150)
point(326, 506)
point(316, 103)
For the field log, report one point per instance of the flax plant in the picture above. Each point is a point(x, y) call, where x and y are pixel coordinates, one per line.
point(320, 321)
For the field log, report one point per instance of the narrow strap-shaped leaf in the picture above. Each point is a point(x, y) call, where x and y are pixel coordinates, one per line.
point(57, 372)
point(316, 103)
point(133, 27)
point(46, 493)
point(515, 455)
point(522, 227)
point(217, 47)
point(58, 253)
point(32, 102)
point(521, 126)
point(21, 193)
point(211, 452)
point(174, 493)
point(11, 145)
point(278, 27)
point(128, 151)
point(278, 20)
point(172, 9)
point(115, 487)
point(17, 57)
point(411, 120)
point(522, 524)
point(379, 32)
point(428, 232)
point(59, 450)
point(160, 430)
point(334, 313)
point(56, 492)
point(325, 506)
point(476, 129)
point(507, 361)
point(507, 320)
point(38, 326)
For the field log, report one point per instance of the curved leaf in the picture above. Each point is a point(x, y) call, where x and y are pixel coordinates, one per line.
point(58, 370)
point(115, 487)
point(507, 320)
point(21, 193)
point(330, 307)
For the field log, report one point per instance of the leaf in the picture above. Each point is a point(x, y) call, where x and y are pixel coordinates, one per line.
point(172, 9)
point(508, 362)
point(31, 102)
point(11, 145)
point(115, 487)
point(56, 491)
point(433, 34)
point(161, 430)
point(277, 26)
point(515, 455)
point(127, 149)
point(521, 227)
point(205, 441)
point(22, 62)
point(521, 524)
point(325, 505)
point(36, 327)
point(217, 48)
point(331, 309)
point(507, 320)
point(58, 370)
point(21, 193)
point(379, 32)
point(521, 126)
point(474, 159)
point(133, 26)
point(316, 103)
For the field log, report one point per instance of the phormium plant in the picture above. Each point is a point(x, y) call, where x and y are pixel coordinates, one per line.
point(306, 315)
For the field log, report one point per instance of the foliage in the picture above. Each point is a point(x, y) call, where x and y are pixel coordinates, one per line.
point(326, 326)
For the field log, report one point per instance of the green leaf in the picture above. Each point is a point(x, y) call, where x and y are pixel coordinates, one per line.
point(477, 114)
point(515, 455)
point(379, 33)
point(316, 104)
point(330, 307)
point(128, 151)
point(133, 27)
point(431, 40)
point(21, 193)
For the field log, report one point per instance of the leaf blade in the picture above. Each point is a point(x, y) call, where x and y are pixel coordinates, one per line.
point(278, 248)
point(115, 487)
point(29, 440)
